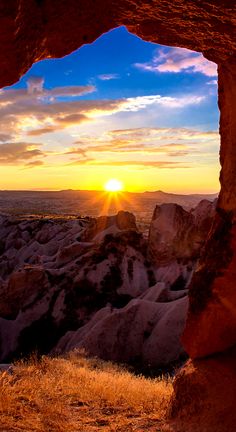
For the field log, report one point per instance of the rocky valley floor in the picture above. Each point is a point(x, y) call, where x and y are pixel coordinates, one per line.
point(99, 284)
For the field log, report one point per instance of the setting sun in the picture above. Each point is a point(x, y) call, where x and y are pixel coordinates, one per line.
point(113, 185)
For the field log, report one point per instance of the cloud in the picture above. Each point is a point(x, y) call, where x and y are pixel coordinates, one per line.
point(70, 119)
point(5, 137)
point(70, 91)
point(164, 133)
point(178, 60)
point(78, 151)
point(108, 77)
point(35, 84)
point(33, 164)
point(132, 146)
point(42, 131)
point(141, 102)
point(141, 143)
point(36, 111)
point(18, 153)
point(59, 123)
point(137, 163)
point(212, 82)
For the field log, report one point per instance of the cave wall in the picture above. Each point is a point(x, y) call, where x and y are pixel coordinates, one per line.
point(31, 30)
point(211, 324)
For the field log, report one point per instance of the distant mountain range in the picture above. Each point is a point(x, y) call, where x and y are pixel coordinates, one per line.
point(92, 203)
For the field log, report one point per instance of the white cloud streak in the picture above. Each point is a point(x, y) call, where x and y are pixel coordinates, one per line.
point(109, 76)
point(179, 60)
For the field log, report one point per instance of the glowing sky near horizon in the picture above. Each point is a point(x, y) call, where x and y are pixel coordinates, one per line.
point(119, 108)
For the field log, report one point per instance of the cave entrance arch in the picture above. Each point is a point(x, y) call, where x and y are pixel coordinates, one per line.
point(33, 30)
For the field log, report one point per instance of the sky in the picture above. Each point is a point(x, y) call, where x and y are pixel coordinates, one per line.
point(122, 108)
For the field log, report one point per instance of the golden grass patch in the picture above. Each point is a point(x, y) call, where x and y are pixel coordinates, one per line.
point(76, 393)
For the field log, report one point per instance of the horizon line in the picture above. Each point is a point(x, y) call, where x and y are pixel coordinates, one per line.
point(102, 190)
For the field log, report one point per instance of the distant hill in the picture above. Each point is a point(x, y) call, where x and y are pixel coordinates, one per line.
point(188, 200)
point(92, 203)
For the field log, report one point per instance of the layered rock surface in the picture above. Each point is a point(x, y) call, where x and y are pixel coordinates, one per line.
point(33, 30)
point(92, 281)
point(204, 398)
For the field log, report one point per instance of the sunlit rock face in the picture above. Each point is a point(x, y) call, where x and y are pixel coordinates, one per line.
point(212, 314)
point(37, 29)
point(211, 324)
point(176, 238)
point(204, 397)
point(176, 234)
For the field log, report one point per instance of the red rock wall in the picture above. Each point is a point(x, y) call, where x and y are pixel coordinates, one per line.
point(211, 325)
point(31, 30)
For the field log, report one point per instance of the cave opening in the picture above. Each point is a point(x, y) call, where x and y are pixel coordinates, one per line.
point(36, 30)
point(145, 115)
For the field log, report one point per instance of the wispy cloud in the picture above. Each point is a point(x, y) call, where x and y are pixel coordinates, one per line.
point(109, 76)
point(135, 163)
point(146, 147)
point(33, 164)
point(18, 153)
point(178, 60)
point(36, 111)
point(212, 82)
point(142, 102)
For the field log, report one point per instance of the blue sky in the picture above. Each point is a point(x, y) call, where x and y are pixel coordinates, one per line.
point(118, 107)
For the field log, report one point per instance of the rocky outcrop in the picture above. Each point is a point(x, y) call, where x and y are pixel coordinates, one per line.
point(51, 276)
point(211, 322)
point(176, 234)
point(143, 332)
point(176, 237)
point(204, 397)
point(24, 286)
point(171, 234)
point(72, 275)
point(104, 225)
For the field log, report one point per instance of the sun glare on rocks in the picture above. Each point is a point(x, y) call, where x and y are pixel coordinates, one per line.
point(113, 185)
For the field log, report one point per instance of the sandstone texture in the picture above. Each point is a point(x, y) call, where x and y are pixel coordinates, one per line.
point(144, 332)
point(35, 29)
point(204, 398)
point(89, 282)
point(211, 323)
point(176, 234)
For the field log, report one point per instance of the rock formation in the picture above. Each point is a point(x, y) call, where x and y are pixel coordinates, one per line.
point(37, 29)
point(204, 398)
point(143, 332)
point(176, 234)
point(86, 277)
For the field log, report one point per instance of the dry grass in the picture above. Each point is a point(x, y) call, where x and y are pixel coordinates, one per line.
point(80, 394)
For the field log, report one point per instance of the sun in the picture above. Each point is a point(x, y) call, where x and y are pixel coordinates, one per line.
point(113, 185)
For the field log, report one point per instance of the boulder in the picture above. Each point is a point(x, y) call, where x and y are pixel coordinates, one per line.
point(204, 395)
point(176, 234)
point(141, 332)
